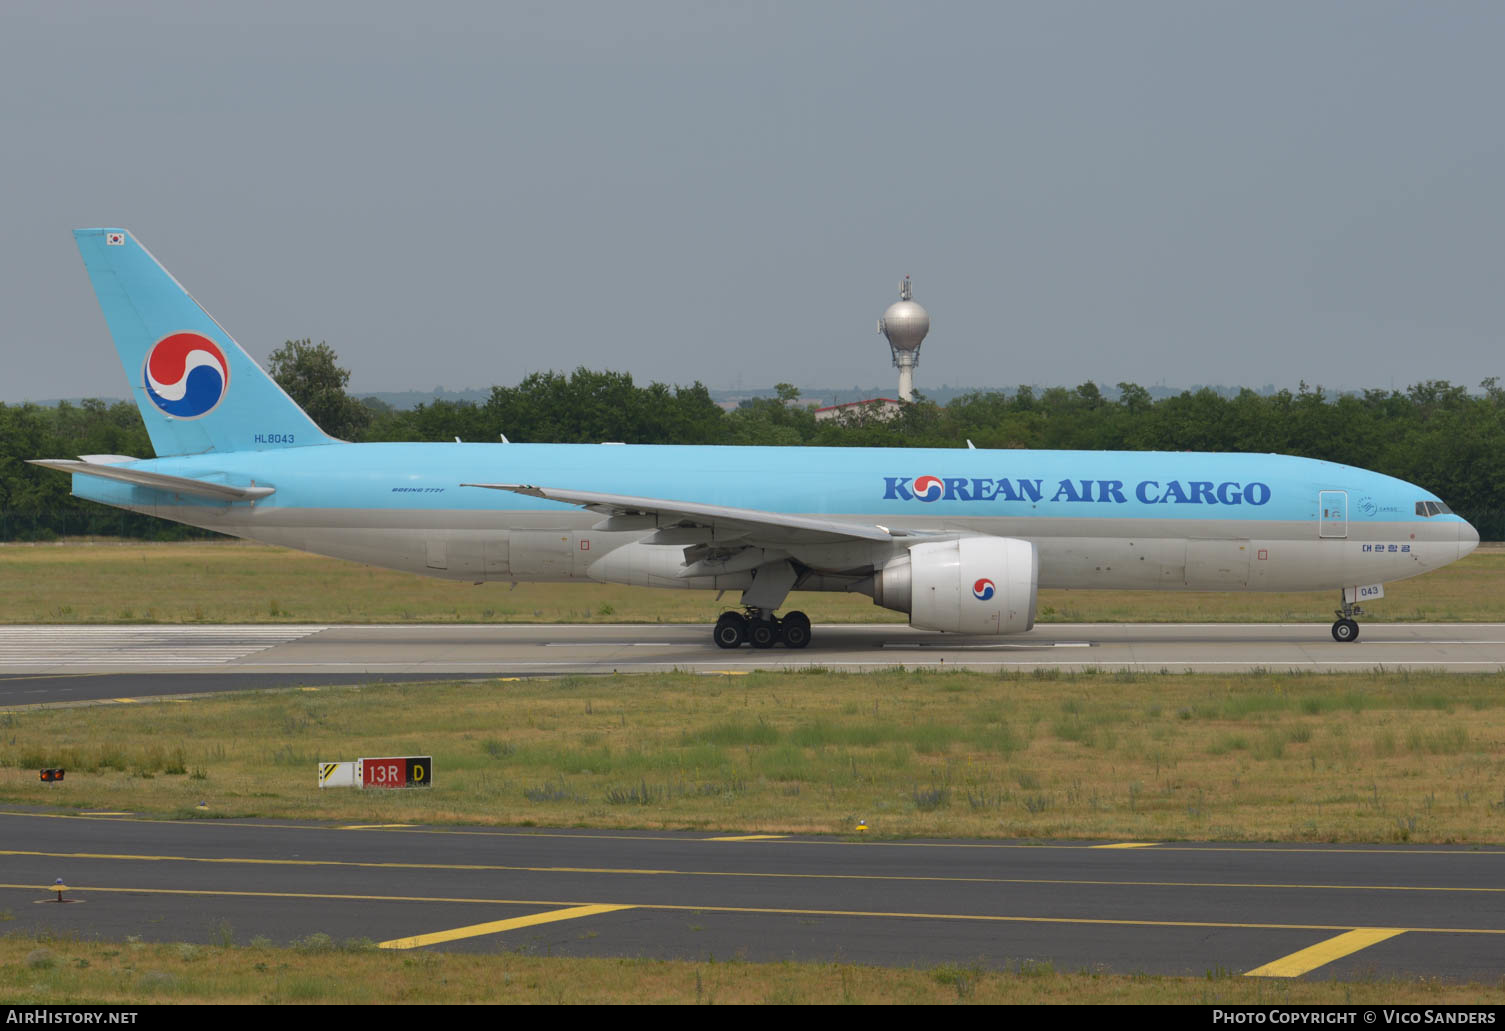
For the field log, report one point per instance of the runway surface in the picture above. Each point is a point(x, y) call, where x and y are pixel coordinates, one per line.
point(265, 655)
point(1185, 909)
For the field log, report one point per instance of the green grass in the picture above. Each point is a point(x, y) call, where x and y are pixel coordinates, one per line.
point(1359, 757)
point(234, 582)
point(63, 971)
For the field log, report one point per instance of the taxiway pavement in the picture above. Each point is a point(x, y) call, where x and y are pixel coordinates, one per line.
point(1167, 908)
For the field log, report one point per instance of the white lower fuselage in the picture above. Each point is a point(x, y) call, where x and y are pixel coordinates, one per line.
point(564, 547)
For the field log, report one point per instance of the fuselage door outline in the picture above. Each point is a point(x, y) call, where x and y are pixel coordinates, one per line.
point(1332, 508)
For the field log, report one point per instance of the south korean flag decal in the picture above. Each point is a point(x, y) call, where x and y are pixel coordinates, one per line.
point(115, 239)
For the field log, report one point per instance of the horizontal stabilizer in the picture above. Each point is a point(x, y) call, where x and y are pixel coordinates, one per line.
point(158, 481)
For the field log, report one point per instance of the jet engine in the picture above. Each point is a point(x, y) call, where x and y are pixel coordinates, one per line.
point(973, 585)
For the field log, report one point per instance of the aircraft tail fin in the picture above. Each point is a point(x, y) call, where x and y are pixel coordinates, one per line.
point(197, 390)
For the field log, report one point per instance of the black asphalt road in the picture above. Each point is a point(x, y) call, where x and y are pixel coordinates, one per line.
point(1185, 909)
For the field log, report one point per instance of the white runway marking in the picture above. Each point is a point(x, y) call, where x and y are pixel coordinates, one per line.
point(119, 647)
point(943, 646)
point(608, 644)
point(1371, 644)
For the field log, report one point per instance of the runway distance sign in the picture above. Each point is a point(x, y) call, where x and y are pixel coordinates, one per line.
point(413, 771)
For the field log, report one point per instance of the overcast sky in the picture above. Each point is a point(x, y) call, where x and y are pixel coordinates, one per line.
point(462, 193)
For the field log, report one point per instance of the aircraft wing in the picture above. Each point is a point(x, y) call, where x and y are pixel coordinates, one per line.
point(774, 527)
point(157, 481)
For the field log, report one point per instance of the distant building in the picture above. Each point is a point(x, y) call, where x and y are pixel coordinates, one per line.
point(881, 408)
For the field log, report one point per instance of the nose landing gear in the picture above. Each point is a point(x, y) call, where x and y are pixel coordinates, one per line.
point(761, 629)
point(1346, 629)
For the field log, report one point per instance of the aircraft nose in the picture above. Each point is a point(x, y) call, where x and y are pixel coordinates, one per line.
point(1468, 538)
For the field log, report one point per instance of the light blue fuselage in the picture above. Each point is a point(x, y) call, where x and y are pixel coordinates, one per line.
point(1099, 519)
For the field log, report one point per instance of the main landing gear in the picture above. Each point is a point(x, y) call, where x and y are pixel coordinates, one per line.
point(1346, 629)
point(761, 629)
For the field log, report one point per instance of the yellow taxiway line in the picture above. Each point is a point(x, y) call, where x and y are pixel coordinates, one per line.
point(749, 874)
point(827, 842)
point(566, 905)
point(1324, 952)
point(417, 941)
point(750, 837)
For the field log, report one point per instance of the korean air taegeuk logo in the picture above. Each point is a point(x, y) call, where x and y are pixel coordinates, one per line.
point(186, 375)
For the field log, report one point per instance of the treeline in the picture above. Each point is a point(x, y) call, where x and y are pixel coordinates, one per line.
point(35, 503)
point(1434, 434)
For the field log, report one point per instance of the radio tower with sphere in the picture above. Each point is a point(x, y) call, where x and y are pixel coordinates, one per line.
point(905, 324)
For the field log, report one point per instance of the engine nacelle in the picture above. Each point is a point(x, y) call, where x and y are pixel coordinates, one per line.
point(974, 585)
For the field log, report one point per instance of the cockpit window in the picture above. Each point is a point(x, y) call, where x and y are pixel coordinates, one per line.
point(1427, 509)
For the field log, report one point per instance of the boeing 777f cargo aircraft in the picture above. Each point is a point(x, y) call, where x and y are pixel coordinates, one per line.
point(961, 540)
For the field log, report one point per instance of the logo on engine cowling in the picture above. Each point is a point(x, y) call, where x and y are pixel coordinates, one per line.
point(982, 590)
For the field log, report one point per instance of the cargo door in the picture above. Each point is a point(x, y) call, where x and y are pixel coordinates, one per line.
point(1217, 565)
point(541, 554)
point(496, 558)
